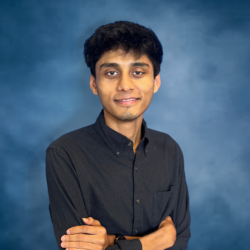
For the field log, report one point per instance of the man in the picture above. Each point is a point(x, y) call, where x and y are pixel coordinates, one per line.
point(117, 184)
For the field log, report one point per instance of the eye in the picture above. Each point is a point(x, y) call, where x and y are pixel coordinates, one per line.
point(111, 73)
point(137, 72)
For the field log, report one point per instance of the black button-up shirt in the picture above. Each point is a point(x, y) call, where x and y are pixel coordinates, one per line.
point(94, 172)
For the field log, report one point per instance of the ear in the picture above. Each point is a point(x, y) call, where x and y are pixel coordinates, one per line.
point(157, 83)
point(92, 84)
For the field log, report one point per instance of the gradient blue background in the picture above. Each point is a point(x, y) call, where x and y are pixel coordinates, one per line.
point(203, 103)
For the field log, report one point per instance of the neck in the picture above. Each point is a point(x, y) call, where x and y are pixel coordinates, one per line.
point(130, 129)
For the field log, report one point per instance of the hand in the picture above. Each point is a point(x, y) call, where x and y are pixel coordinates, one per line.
point(164, 237)
point(170, 229)
point(132, 237)
point(92, 236)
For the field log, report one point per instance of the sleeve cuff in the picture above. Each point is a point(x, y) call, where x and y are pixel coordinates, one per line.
point(126, 245)
point(129, 244)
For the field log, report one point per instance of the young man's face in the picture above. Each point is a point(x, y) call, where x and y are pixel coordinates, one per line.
point(125, 84)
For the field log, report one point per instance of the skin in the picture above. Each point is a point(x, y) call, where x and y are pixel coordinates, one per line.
point(122, 76)
point(94, 236)
point(118, 76)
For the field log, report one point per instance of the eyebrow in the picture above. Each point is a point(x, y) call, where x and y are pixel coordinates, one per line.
point(116, 65)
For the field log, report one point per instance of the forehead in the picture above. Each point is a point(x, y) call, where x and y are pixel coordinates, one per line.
point(123, 57)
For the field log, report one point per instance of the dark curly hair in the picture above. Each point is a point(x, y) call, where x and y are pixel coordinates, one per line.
point(123, 35)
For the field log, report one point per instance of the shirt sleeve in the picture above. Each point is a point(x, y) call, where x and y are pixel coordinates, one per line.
point(66, 202)
point(181, 215)
point(126, 245)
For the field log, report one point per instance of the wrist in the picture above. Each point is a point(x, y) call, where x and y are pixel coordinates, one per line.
point(156, 240)
point(111, 239)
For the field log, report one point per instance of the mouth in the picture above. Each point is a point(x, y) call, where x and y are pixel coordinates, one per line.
point(127, 101)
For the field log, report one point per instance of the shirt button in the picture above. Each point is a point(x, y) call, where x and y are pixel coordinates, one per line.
point(136, 231)
point(136, 168)
point(146, 150)
point(118, 152)
point(138, 201)
point(129, 144)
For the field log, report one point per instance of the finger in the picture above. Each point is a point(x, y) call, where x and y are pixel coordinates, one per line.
point(87, 230)
point(95, 239)
point(169, 218)
point(80, 245)
point(91, 221)
point(166, 221)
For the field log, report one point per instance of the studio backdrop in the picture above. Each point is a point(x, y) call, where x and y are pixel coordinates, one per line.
point(203, 103)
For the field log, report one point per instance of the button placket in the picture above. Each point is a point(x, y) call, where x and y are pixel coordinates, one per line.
point(138, 209)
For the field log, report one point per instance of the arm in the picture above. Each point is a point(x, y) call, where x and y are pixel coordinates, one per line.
point(164, 237)
point(64, 192)
point(179, 226)
point(181, 214)
point(67, 206)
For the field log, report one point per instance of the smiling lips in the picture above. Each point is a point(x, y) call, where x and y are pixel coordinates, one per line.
point(127, 101)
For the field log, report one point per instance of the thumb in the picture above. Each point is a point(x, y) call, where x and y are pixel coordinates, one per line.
point(91, 221)
point(86, 220)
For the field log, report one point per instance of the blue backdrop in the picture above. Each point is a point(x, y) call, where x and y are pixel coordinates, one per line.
point(203, 103)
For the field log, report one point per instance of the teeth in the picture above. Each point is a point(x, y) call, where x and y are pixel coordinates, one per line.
point(127, 100)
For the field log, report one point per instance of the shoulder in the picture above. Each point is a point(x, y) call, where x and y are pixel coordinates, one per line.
point(72, 137)
point(164, 141)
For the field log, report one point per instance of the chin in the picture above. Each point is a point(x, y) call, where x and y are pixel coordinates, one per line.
point(127, 117)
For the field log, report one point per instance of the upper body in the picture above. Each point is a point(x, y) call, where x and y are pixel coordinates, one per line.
point(129, 194)
point(125, 178)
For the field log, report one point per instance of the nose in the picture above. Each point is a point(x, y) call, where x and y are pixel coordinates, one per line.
point(125, 83)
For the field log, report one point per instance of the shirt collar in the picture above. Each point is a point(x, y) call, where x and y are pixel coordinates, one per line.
point(115, 140)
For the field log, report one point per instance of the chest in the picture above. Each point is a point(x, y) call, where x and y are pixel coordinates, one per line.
point(125, 193)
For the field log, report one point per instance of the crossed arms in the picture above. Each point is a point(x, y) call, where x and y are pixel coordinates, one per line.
point(94, 236)
point(67, 208)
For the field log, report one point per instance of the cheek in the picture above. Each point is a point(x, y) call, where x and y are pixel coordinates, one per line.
point(147, 89)
point(105, 95)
